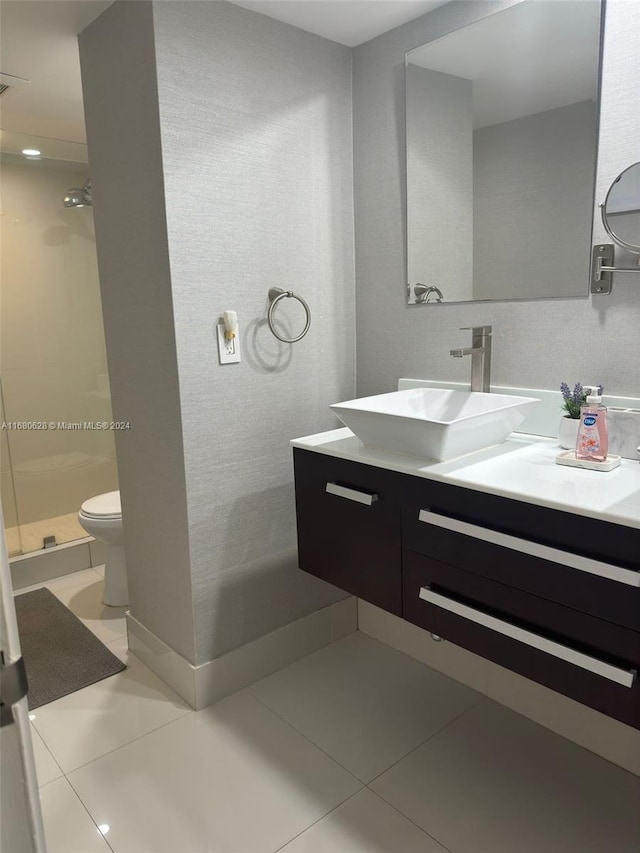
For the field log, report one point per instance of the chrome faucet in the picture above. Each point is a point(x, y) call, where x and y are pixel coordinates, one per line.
point(480, 352)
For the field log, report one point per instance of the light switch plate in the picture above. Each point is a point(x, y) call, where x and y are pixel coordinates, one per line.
point(229, 351)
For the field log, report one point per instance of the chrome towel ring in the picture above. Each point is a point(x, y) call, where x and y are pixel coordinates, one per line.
point(275, 295)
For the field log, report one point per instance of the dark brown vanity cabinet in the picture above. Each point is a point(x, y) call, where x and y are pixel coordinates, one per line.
point(349, 523)
point(551, 595)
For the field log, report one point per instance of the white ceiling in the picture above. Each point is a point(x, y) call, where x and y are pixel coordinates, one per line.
point(349, 22)
point(49, 148)
point(38, 42)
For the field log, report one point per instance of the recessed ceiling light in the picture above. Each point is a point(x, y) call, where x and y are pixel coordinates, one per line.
point(31, 152)
point(103, 828)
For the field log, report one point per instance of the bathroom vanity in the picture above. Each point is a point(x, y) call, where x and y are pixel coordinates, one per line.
point(526, 563)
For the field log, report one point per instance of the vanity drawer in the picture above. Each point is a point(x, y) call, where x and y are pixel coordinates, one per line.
point(349, 525)
point(588, 659)
point(593, 537)
point(539, 566)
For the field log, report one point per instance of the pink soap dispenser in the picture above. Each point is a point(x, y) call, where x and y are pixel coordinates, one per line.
point(593, 438)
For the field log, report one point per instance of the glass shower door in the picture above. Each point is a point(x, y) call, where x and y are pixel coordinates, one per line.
point(7, 491)
point(53, 362)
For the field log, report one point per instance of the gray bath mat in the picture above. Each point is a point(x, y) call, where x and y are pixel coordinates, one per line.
point(61, 655)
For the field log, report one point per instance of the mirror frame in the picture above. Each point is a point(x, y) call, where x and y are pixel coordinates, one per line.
point(603, 212)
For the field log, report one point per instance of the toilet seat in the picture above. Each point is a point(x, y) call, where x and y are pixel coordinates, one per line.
point(101, 517)
point(103, 506)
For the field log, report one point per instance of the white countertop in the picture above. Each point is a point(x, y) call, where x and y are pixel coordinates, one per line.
point(523, 468)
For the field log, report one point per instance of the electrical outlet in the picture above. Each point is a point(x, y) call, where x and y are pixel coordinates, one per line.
point(228, 350)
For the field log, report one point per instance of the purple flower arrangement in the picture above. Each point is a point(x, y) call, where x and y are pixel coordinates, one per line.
point(574, 399)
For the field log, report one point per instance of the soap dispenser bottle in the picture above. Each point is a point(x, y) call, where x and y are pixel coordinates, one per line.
point(593, 438)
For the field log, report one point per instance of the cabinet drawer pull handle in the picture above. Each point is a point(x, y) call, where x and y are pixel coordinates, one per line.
point(351, 494)
point(566, 653)
point(534, 549)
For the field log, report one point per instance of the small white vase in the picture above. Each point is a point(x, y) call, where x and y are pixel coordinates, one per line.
point(568, 432)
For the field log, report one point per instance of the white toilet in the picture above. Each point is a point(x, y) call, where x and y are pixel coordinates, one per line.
point(102, 517)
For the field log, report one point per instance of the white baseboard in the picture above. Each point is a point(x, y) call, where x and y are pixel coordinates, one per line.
point(207, 683)
point(592, 730)
point(167, 664)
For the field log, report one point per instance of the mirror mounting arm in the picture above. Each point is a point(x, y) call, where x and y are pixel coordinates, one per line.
point(602, 268)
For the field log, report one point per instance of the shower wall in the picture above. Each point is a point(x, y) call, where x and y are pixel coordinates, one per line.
point(52, 355)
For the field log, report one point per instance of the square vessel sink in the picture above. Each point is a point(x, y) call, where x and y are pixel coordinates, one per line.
point(432, 422)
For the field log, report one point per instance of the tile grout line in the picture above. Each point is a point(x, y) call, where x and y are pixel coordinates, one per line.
point(426, 740)
point(184, 713)
point(84, 806)
point(406, 817)
point(344, 802)
point(322, 817)
point(191, 710)
point(363, 784)
point(128, 743)
point(65, 773)
point(53, 758)
point(482, 698)
point(246, 690)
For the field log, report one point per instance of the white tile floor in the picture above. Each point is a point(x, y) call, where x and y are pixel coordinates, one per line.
point(354, 749)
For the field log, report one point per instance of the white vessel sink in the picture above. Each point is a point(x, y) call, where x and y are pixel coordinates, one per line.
point(434, 423)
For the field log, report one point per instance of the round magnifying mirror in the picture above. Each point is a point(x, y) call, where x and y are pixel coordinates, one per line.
point(621, 209)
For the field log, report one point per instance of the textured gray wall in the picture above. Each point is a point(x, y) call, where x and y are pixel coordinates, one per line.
point(533, 192)
point(257, 152)
point(536, 344)
point(440, 181)
point(247, 136)
point(123, 130)
point(232, 135)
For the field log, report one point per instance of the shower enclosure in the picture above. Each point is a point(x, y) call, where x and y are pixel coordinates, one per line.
point(54, 386)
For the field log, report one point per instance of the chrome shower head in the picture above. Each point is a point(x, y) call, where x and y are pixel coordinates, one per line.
point(79, 196)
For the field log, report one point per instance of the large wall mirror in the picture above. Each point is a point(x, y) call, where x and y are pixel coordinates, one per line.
point(502, 121)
